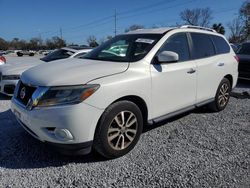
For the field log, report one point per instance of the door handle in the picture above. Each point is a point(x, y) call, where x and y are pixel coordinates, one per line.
point(221, 64)
point(191, 71)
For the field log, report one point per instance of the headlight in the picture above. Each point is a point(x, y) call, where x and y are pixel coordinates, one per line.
point(65, 95)
point(10, 77)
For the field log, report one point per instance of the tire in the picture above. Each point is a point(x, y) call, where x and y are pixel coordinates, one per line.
point(19, 54)
point(114, 137)
point(31, 54)
point(221, 100)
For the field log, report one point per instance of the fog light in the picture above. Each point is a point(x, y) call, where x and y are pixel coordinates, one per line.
point(63, 134)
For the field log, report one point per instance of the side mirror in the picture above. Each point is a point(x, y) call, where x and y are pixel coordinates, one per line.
point(167, 57)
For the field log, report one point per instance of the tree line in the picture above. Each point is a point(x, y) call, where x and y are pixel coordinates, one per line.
point(32, 44)
point(239, 30)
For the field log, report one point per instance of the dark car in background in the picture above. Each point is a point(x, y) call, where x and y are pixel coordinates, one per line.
point(243, 54)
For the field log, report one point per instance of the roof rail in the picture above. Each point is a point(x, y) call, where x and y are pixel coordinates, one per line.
point(198, 27)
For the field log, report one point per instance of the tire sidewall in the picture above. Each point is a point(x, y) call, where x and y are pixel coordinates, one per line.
point(218, 106)
point(104, 124)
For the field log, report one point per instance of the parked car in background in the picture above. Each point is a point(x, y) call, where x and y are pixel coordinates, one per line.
point(103, 100)
point(2, 60)
point(2, 52)
point(25, 52)
point(10, 73)
point(65, 53)
point(243, 54)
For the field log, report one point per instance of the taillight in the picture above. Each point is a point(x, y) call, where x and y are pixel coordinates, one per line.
point(2, 59)
point(237, 58)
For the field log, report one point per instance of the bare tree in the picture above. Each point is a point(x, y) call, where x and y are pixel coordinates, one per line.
point(3, 44)
point(245, 18)
point(199, 16)
point(236, 29)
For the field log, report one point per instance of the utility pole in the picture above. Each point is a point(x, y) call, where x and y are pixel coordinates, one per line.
point(115, 22)
point(61, 33)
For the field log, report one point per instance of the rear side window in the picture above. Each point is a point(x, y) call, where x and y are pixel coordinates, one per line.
point(220, 44)
point(202, 46)
point(177, 43)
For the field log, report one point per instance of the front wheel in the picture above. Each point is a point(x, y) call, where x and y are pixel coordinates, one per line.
point(222, 96)
point(119, 129)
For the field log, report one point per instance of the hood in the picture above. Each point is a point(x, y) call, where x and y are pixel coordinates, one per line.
point(17, 69)
point(71, 71)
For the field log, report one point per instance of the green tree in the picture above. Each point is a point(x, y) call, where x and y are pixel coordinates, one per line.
point(219, 28)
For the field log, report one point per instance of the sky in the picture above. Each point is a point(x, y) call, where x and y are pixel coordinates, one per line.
point(78, 19)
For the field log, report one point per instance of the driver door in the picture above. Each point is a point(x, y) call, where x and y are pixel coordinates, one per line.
point(174, 84)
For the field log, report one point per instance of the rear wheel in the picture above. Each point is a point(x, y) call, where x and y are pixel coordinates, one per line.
point(222, 96)
point(119, 129)
point(19, 54)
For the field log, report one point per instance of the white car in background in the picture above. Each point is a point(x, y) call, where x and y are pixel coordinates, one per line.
point(10, 72)
point(103, 101)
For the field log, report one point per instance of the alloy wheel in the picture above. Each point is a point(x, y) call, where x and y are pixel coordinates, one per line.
point(223, 96)
point(122, 130)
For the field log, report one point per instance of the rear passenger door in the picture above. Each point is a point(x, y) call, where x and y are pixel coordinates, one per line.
point(209, 66)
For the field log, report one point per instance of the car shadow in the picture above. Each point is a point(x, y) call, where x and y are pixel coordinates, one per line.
point(19, 150)
point(242, 90)
point(4, 97)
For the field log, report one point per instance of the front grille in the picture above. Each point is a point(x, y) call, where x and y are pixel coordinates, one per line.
point(25, 93)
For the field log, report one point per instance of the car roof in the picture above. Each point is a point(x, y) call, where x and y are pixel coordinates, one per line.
point(151, 31)
point(164, 30)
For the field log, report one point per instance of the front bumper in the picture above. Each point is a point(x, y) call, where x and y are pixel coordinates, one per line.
point(80, 120)
point(72, 149)
point(7, 87)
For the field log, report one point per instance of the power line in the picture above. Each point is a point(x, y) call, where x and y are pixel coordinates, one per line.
point(61, 33)
point(159, 3)
point(110, 17)
point(153, 11)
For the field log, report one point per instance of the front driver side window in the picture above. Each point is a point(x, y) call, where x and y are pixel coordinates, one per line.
point(177, 43)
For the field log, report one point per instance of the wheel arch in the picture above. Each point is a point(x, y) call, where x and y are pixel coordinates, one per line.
point(139, 102)
point(230, 78)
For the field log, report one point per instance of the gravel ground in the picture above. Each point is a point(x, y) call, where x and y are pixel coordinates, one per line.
point(197, 149)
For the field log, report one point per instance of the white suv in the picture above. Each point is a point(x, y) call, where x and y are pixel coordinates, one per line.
point(103, 100)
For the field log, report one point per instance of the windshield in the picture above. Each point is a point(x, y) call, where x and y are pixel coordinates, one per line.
point(125, 48)
point(57, 54)
point(244, 49)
